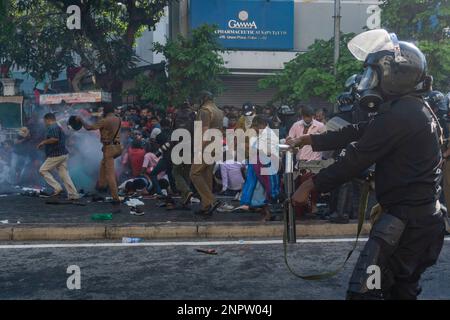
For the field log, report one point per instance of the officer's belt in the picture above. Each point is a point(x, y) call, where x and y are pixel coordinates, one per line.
point(110, 143)
point(427, 209)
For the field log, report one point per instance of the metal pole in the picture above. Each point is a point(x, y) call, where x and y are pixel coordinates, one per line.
point(337, 33)
point(289, 188)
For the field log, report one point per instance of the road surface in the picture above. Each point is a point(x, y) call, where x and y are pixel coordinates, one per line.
point(164, 270)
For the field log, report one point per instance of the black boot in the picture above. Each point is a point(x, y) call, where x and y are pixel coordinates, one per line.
point(116, 207)
point(206, 213)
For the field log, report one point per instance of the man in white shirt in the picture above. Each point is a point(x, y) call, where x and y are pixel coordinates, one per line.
point(232, 179)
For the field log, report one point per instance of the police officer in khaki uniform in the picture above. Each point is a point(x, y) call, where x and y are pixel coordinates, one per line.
point(109, 127)
point(202, 174)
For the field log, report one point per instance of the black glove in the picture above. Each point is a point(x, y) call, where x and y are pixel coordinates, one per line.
point(345, 99)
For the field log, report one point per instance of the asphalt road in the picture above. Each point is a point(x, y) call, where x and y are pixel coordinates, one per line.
point(238, 271)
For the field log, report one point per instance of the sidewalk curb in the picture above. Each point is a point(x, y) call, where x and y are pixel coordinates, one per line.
point(188, 230)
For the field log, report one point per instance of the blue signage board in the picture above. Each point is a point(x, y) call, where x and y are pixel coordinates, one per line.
point(247, 25)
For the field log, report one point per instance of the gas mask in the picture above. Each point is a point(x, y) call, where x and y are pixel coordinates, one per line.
point(377, 48)
point(368, 96)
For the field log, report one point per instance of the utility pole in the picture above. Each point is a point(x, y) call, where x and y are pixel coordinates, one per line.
point(337, 33)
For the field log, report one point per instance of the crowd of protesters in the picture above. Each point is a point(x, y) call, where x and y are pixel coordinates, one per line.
point(146, 168)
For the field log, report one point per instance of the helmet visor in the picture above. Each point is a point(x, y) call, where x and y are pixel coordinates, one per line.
point(351, 81)
point(369, 42)
point(369, 80)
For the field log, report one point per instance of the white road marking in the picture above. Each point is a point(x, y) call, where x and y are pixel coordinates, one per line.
point(168, 244)
point(173, 243)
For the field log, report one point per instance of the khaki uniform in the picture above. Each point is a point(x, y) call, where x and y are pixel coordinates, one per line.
point(108, 127)
point(202, 174)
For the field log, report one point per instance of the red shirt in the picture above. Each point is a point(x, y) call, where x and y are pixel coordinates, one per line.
point(37, 96)
point(136, 158)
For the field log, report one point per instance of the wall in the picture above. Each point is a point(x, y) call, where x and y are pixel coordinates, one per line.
point(144, 44)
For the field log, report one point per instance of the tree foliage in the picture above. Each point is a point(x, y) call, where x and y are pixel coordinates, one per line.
point(194, 63)
point(40, 42)
point(152, 88)
point(310, 74)
point(423, 22)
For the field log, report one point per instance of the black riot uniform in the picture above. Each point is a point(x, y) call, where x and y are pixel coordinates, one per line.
point(403, 141)
point(343, 199)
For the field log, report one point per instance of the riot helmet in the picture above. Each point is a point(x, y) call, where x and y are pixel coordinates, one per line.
point(346, 100)
point(392, 68)
point(286, 110)
point(437, 101)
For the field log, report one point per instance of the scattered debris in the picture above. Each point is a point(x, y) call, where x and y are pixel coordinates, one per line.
point(195, 200)
point(134, 202)
point(109, 199)
point(25, 189)
point(136, 206)
point(72, 202)
point(97, 198)
point(102, 216)
point(225, 208)
point(207, 251)
point(131, 240)
point(137, 211)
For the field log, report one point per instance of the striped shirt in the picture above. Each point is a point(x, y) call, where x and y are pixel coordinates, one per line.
point(59, 148)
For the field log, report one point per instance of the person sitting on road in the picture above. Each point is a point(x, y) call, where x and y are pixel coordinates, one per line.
point(141, 185)
point(232, 178)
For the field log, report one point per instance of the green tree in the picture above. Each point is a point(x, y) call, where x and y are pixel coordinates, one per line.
point(423, 22)
point(310, 74)
point(43, 44)
point(152, 88)
point(194, 63)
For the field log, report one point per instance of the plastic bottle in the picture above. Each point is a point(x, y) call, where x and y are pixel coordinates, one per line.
point(131, 240)
point(102, 216)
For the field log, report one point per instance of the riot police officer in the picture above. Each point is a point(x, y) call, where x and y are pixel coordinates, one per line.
point(403, 140)
point(439, 104)
point(288, 117)
point(343, 198)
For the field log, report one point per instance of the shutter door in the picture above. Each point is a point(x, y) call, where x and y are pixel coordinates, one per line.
point(242, 88)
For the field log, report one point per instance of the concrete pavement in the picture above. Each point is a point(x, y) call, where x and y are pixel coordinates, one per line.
point(30, 218)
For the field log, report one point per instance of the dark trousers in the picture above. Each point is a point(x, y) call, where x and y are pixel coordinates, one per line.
point(402, 265)
point(180, 174)
point(163, 165)
point(418, 250)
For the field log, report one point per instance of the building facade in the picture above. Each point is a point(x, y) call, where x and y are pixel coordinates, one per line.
point(261, 35)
